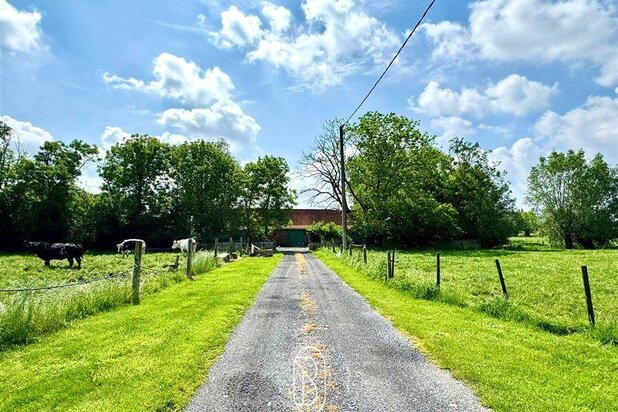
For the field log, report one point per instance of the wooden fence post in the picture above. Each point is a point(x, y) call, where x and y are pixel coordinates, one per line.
point(190, 259)
point(350, 249)
point(231, 244)
point(438, 270)
point(341, 248)
point(502, 284)
point(241, 250)
point(216, 245)
point(388, 265)
point(365, 254)
point(137, 267)
point(588, 295)
point(393, 264)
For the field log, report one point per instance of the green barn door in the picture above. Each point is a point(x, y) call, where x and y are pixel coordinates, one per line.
point(296, 237)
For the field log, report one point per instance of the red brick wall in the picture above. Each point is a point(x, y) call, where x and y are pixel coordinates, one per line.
point(305, 217)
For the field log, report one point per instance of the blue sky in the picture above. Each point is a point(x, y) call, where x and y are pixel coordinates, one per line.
point(521, 77)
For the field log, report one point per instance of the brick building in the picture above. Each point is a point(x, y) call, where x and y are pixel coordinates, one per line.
point(296, 234)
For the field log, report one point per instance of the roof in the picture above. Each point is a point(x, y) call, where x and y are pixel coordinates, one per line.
point(301, 218)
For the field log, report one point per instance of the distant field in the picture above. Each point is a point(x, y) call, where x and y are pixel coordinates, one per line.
point(544, 284)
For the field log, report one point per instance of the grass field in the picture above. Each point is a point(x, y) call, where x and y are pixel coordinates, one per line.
point(25, 316)
point(544, 284)
point(512, 366)
point(147, 357)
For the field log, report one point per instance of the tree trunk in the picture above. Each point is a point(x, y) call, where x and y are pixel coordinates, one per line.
point(568, 241)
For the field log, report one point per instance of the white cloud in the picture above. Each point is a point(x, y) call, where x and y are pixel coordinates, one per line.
point(537, 31)
point(27, 137)
point(224, 119)
point(19, 30)
point(335, 40)
point(593, 127)
point(517, 162)
point(451, 126)
point(237, 29)
point(514, 94)
point(279, 18)
point(112, 135)
point(179, 79)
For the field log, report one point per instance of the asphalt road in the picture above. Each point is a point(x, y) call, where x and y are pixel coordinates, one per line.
point(311, 343)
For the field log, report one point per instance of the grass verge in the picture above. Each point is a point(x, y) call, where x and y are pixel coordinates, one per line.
point(26, 316)
point(147, 357)
point(510, 365)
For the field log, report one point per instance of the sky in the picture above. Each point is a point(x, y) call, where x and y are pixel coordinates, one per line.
point(521, 77)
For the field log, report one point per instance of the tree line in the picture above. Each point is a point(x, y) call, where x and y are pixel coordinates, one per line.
point(150, 190)
point(402, 188)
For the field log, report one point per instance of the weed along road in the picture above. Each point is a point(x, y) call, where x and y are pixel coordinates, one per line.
point(311, 343)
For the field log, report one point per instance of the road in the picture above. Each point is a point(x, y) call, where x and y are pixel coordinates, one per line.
point(311, 343)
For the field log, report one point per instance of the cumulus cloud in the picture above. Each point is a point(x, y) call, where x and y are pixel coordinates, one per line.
point(214, 114)
point(517, 162)
point(452, 126)
point(224, 119)
point(179, 79)
point(237, 29)
point(514, 94)
point(592, 127)
point(19, 30)
point(336, 39)
point(537, 31)
point(27, 138)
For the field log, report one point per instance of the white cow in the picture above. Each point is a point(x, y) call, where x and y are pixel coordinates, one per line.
point(183, 245)
point(128, 245)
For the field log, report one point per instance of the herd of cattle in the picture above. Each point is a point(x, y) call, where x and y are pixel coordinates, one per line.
point(74, 252)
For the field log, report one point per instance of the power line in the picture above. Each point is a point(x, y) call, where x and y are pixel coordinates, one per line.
point(392, 60)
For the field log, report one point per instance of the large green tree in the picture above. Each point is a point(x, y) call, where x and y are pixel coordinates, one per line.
point(207, 186)
point(479, 193)
point(397, 179)
point(137, 184)
point(576, 199)
point(265, 195)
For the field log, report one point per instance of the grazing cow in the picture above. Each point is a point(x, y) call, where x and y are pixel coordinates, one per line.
point(57, 251)
point(128, 245)
point(183, 245)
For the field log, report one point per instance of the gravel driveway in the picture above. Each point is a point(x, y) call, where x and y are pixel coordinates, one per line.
point(311, 343)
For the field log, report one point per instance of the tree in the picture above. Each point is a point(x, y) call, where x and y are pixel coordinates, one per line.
point(136, 180)
point(44, 189)
point(323, 231)
point(265, 196)
point(577, 200)
point(207, 186)
point(320, 166)
point(397, 181)
point(478, 192)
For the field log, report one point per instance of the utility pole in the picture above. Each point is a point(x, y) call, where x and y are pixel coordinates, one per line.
point(344, 203)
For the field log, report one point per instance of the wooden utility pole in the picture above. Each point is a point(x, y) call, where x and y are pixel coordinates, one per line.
point(344, 205)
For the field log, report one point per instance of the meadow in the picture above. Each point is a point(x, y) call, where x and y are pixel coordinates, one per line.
point(544, 284)
point(27, 315)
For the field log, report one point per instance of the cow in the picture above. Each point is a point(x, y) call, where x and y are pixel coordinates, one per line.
point(183, 245)
point(57, 251)
point(128, 245)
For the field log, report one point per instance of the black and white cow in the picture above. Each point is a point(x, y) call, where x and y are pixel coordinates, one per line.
point(57, 251)
point(128, 245)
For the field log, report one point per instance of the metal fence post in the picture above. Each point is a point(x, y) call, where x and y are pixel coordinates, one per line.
point(190, 259)
point(502, 284)
point(588, 295)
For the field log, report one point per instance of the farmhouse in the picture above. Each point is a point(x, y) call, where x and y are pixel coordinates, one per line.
point(295, 234)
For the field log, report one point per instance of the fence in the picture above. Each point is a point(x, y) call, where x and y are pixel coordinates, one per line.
point(391, 265)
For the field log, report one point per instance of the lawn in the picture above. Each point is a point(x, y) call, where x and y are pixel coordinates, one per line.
point(512, 366)
point(147, 357)
point(544, 284)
